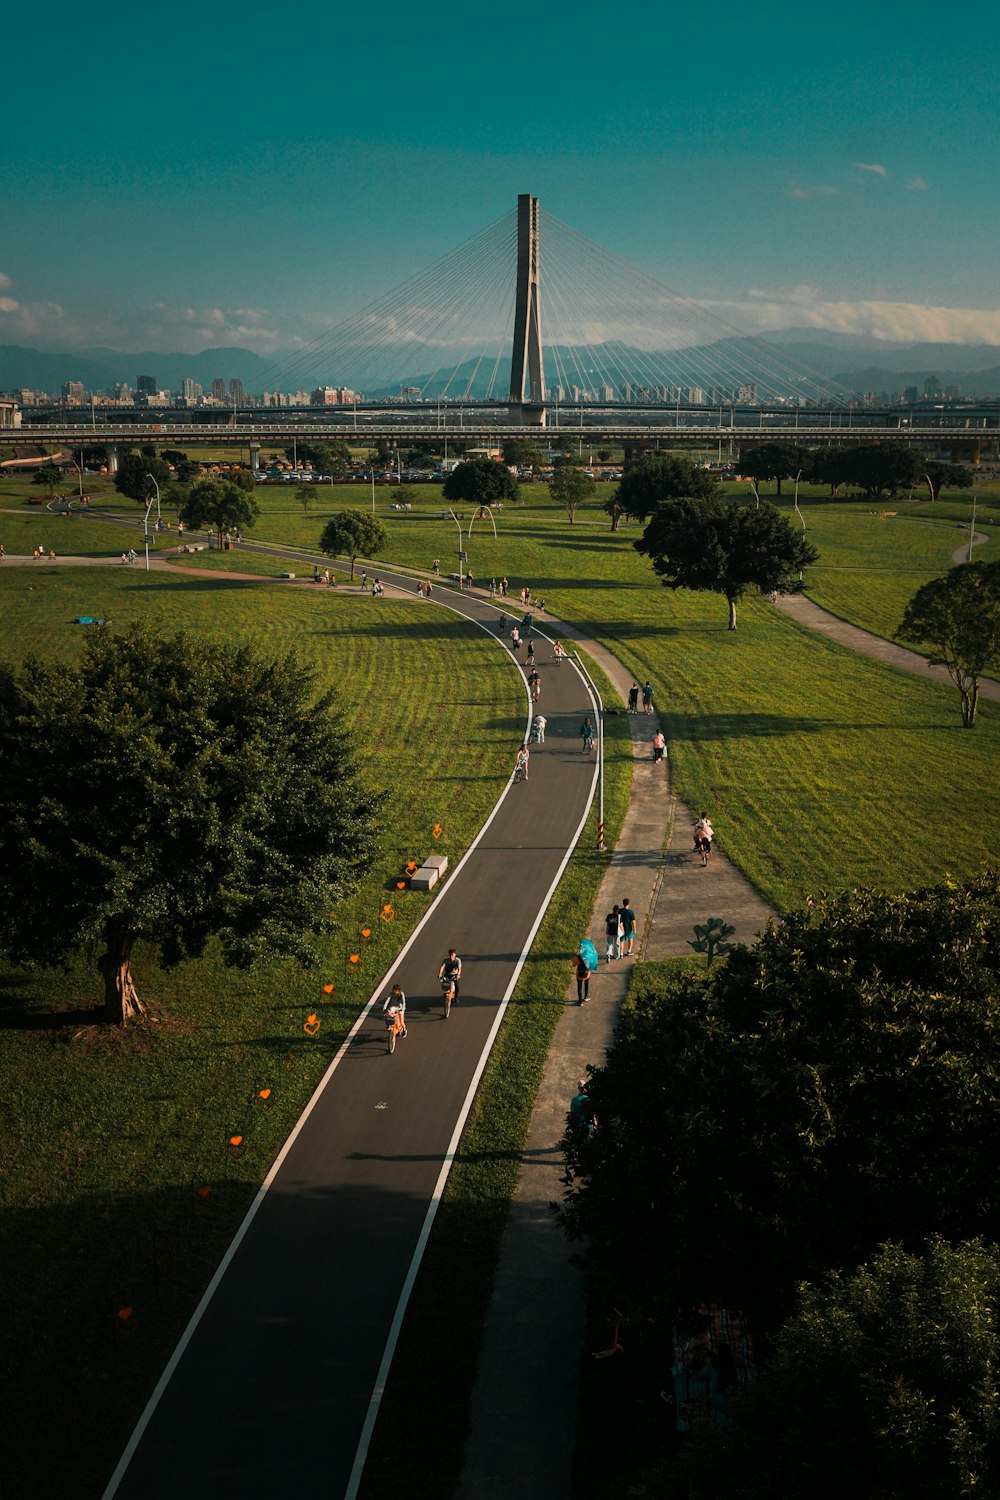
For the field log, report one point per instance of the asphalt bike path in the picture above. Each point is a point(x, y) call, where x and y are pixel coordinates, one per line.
point(273, 1387)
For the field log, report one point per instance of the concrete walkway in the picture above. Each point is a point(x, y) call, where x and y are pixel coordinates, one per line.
point(533, 1339)
point(798, 607)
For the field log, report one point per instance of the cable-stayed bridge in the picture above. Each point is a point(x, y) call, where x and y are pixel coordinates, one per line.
point(529, 323)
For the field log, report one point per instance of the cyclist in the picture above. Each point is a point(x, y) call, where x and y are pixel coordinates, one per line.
point(587, 735)
point(449, 974)
point(521, 764)
point(704, 833)
point(558, 653)
point(394, 1010)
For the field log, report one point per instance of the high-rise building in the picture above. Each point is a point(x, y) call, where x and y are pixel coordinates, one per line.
point(236, 392)
point(73, 392)
point(146, 385)
point(218, 390)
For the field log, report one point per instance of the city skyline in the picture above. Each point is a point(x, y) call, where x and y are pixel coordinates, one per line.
point(841, 177)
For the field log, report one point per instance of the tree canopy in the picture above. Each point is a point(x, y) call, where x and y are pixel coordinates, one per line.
point(774, 461)
point(523, 452)
point(958, 616)
point(656, 478)
point(356, 533)
point(225, 506)
point(944, 475)
point(209, 790)
point(571, 487)
point(712, 546)
point(882, 1383)
point(136, 472)
point(480, 481)
point(332, 458)
point(49, 476)
point(831, 1088)
point(881, 469)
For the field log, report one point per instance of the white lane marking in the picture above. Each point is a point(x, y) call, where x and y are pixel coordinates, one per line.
point(251, 1213)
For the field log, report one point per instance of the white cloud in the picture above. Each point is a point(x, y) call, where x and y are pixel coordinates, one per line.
point(803, 193)
point(7, 304)
point(916, 184)
point(903, 322)
point(871, 166)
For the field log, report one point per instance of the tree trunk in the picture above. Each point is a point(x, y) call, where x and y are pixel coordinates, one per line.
point(778, 491)
point(970, 702)
point(732, 614)
point(352, 567)
point(121, 1002)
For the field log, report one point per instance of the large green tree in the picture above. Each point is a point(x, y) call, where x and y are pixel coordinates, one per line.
point(941, 475)
point(354, 533)
point(166, 790)
point(882, 469)
point(571, 487)
point(480, 481)
point(958, 616)
point(523, 453)
point(223, 506)
point(716, 547)
point(656, 478)
point(831, 1088)
point(776, 461)
point(883, 1383)
point(48, 477)
point(136, 473)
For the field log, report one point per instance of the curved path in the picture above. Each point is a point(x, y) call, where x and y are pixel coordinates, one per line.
point(271, 1389)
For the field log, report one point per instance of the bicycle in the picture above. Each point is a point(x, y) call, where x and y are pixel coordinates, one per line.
point(394, 1027)
point(703, 848)
point(588, 743)
point(447, 995)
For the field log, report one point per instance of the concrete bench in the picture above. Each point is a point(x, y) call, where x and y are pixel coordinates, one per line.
point(431, 871)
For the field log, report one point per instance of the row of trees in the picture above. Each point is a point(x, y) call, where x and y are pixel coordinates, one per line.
point(875, 469)
point(830, 1091)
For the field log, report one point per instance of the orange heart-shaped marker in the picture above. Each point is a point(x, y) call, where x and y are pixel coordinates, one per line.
point(203, 1192)
point(437, 831)
point(236, 1140)
point(328, 989)
point(411, 867)
point(354, 958)
point(366, 933)
point(401, 885)
point(264, 1094)
point(312, 1025)
point(387, 914)
point(124, 1313)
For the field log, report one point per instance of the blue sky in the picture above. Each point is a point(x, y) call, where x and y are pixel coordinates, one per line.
point(240, 175)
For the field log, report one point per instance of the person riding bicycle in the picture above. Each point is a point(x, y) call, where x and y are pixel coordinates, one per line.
point(587, 734)
point(704, 833)
point(521, 764)
point(449, 974)
point(558, 653)
point(394, 1010)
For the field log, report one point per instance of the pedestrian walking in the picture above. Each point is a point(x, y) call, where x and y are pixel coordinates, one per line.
point(503, 587)
point(515, 640)
point(534, 686)
point(613, 931)
point(647, 697)
point(538, 724)
point(364, 581)
point(468, 577)
point(581, 973)
point(530, 655)
point(502, 627)
point(493, 588)
point(627, 918)
point(437, 567)
point(633, 698)
point(659, 745)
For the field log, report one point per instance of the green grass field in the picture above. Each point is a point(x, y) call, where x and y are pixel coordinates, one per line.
point(109, 1136)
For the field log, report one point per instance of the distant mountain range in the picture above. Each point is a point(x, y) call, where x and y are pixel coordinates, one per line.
point(852, 361)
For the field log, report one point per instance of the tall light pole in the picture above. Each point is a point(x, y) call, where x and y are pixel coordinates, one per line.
point(461, 554)
point(798, 512)
point(600, 751)
point(972, 527)
point(149, 507)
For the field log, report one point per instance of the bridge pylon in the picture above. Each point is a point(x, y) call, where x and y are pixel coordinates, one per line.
point(526, 402)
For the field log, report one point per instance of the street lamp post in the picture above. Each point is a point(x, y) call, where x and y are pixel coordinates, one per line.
point(798, 512)
point(972, 527)
point(600, 751)
point(149, 507)
point(461, 554)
